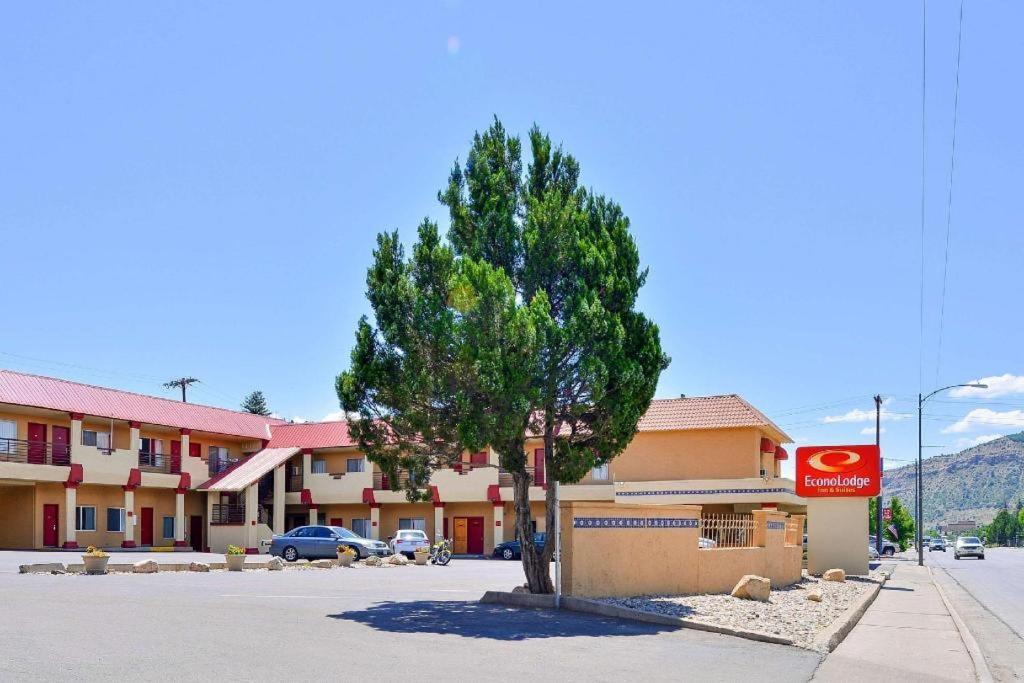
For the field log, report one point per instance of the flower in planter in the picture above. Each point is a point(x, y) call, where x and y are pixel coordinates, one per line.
point(235, 550)
point(346, 550)
point(93, 551)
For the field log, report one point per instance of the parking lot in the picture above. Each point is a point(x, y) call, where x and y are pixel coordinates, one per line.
point(389, 624)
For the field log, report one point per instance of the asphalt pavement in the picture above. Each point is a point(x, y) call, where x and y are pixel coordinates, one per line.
point(378, 624)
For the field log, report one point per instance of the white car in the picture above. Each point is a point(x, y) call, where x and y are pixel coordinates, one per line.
point(968, 546)
point(407, 541)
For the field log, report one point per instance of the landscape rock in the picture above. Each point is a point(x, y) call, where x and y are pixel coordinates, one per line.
point(373, 561)
point(834, 575)
point(146, 567)
point(752, 587)
point(814, 595)
point(198, 567)
point(44, 568)
point(322, 564)
point(275, 564)
point(521, 589)
point(398, 559)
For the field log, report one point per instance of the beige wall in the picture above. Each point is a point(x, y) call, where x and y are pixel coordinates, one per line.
point(17, 520)
point(837, 535)
point(692, 454)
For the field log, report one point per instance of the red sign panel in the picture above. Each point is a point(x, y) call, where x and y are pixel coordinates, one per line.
point(887, 514)
point(838, 471)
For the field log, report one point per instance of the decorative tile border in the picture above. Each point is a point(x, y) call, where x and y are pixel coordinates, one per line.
point(700, 492)
point(634, 523)
point(776, 526)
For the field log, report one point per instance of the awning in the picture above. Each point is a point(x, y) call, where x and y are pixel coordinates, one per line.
point(249, 470)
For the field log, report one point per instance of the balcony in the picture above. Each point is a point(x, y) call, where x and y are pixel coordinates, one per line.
point(220, 464)
point(35, 452)
point(159, 462)
point(228, 513)
point(505, 478)
point(381, 482)
point(293, 484)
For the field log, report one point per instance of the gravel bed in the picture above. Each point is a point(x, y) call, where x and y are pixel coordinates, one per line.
point(788, 612)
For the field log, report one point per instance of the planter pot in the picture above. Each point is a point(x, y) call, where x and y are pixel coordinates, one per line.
point(421, 558)
point(95, 565)
point(345, 559)
point(235, 562)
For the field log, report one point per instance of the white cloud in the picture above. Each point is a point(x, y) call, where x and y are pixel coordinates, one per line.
point(858, 415)
point(998, 385)
point(871, 430)
point(988, 418)
point(334, 416)
point(299, 420)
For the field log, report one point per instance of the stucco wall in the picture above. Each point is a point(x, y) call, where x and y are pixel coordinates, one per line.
point(692, 454)
point(17, 504)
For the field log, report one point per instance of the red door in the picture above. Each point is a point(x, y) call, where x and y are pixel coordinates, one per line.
point(475, 536)
point(51, 513)
point(175, 457)
point(337, 521)
point(195, 450)
point(478, 458)
point(61, 445)
point(146, 522)
point(195, 532)
point(538, 464)
point(36, 443)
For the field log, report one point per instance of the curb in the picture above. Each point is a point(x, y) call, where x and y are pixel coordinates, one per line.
point(836, 632)
point(120, 568)
point(981, 671)
point(528, 600)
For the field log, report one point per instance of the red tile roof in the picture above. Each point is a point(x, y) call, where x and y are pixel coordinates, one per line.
point(312, 435)
point(706, 412)
point(58, 394)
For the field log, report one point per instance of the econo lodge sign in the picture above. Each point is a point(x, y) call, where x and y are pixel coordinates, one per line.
point(838, 471)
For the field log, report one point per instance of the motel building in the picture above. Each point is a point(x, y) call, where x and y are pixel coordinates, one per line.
point(84, 465)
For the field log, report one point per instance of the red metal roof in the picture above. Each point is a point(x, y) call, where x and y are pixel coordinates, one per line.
point(311, 435)
point(59, 394)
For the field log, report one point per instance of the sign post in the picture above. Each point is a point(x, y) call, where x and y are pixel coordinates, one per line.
point(838, 482)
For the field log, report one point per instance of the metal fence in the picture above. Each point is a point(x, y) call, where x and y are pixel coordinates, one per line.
point(35, 452)
point(727, 530)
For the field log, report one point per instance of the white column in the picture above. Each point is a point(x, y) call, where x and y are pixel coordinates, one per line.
point(134, 440)
point(185, 437)
point(438, 522)
point(499, 524)
point(375, 523)
point(129, 519)
point(76, 434)
point(312, 514)
point(179, 518)
point(307, 467)
point(279, 491)
point(252, 502)
point(70, 501)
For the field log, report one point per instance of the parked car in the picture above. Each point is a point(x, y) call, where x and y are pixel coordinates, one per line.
point(888, 547)
point(511, 550)
point(318, 541)
point(937, 544)
point(968, 546)
point(706, 543)
point(407, 541)
point(872, 552)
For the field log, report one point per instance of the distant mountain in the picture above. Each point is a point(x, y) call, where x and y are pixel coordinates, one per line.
point(972, 484)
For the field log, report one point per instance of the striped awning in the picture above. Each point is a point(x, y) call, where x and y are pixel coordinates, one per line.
point(249, 470)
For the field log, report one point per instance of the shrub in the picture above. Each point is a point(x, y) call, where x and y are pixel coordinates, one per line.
point(346, 550)
point(93, 551)
point(235, 550)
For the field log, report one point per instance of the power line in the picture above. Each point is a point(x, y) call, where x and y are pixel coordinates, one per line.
point(949, 189)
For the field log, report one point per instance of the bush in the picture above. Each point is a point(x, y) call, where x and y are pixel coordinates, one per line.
point(235, 550)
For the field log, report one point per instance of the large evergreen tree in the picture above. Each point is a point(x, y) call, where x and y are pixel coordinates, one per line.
point(523, 322)
point(256, 404)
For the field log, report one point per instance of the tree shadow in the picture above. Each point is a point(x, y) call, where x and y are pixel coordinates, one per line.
point(497, 622)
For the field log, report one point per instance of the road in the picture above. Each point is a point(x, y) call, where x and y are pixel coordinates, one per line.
point(378, 624)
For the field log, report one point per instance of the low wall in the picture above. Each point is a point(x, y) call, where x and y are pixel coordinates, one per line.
point(617, 550)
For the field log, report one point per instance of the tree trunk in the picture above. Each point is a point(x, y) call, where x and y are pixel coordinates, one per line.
point(535, 565)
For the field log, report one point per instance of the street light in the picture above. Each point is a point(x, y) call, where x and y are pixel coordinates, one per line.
point(920, 477)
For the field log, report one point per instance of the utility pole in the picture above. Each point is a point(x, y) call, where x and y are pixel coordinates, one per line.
point(878, 501)
point(183, 383)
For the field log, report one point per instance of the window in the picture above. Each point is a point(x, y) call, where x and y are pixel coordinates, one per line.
point(600, 473)
point(361, 527)
point(85, 518)
point(418, 523)
point(115, 520)
point(8, 433)
point(355, 465)
point(152, 445)
point(100, 440)
point(322, 532)
point(319, 466)
point(168, 527)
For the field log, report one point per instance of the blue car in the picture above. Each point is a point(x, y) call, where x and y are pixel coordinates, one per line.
point(511, 550)
point(318, 542)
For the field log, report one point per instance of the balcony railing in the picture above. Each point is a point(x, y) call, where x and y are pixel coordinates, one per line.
point(505, 477)
point(381, 482)
point(219, 464)
point(228, 513)
point(35, 452)
point(293, 483)
point(159, 462)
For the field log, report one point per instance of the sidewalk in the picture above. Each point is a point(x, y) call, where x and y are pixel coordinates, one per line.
point(907, 634)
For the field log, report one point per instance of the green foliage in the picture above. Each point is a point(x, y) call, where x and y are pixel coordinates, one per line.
point(1004, 529)
point(235, 550)
point(902, 520)
point(256, 404)
point(522, 321)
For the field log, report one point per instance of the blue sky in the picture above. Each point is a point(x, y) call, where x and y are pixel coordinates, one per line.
point(196, 190)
